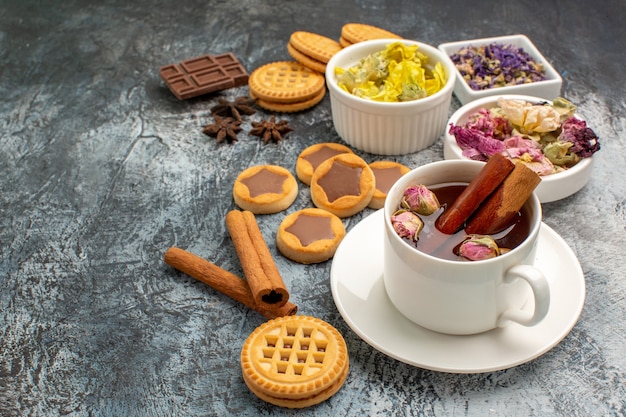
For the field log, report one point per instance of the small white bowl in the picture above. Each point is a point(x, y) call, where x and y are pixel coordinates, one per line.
point(552, 187)
point(549, 88)
point(388, 128)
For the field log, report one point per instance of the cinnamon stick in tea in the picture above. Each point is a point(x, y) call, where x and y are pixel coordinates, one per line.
point(497, 168)
point(499, 210)
point(223, 281)
point(263, 277)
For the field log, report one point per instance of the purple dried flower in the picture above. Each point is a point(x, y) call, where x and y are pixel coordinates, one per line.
point(473, 138)
point(496, 65)
point(584, 141)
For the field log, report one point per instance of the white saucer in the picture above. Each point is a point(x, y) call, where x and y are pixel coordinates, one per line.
point(356, 280)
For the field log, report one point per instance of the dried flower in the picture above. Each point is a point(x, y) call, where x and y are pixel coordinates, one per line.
point(545, 137)
point(478, 248)
point(496, 65)
point(407, 224)
point(584, 141)
point(420, 199)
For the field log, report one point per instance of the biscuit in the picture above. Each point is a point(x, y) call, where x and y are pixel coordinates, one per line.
point(306, 60)
point(310, 235)
point(343, 185)
point(294, 361)
point(386, 174)
point(344, 42)
point(359, 32)
point(285, 82)
point(318, 47)
point(293, 106)
point(265, 189)
point(310, 158)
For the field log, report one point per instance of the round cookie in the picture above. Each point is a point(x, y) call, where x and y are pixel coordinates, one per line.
point(359, 32)
point(310, 235)
point(285, 82)
point(291, 107)
point(344, 42)
point(316, 46)
point(306, 60)
point(265, 189)
point(386, 174)
point(343, 185)
point(310, 158)
point(294, 361)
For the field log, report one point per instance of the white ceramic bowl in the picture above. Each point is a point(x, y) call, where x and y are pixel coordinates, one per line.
point(552, 187)
point(549, 88)
point(388, 128)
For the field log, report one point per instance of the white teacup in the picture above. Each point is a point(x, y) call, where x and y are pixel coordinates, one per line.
point(462, 297)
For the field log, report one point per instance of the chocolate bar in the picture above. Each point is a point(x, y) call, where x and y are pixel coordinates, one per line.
point(204, 74)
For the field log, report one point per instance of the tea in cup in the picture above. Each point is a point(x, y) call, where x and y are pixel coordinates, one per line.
point(438, 289)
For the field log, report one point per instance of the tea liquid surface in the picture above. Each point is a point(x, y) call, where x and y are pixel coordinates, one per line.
point(441, 245)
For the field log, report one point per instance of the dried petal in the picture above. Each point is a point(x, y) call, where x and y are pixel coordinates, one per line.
point(420, 199)
point(479, 247)
point(407, 224)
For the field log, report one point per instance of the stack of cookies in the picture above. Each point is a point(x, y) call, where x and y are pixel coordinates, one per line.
point(312, 50)
point(294, 361)
point(352, 33)
point(286, 86)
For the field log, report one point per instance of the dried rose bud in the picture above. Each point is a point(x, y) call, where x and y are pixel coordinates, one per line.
point(407, 224)
point(420, 199)
point(478, 248)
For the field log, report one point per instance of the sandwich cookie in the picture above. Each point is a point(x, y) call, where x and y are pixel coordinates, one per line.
point(294, 361)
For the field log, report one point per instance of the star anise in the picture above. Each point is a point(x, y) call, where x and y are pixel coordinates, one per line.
point(270, 130)
point(224, 129)
point(235, 109)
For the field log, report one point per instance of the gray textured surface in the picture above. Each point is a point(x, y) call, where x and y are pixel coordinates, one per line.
point(102, 169)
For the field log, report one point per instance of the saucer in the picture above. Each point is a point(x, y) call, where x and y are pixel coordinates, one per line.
point(356, 280)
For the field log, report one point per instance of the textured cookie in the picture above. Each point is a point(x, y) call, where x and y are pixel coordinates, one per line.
point(292, 107)
point(359, 32)
point(343, 185)
point(386, 174)
point(306, 60)
point(265, 189)
point(285, 82)
point(311, 157)
point(294, 361)
point(310, 235)
point(344, 42)
point(315, 46)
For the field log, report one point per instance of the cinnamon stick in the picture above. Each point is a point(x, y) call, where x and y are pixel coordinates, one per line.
point(500, 209)
point(223, 281)
point(497, 168)
point(263, 277)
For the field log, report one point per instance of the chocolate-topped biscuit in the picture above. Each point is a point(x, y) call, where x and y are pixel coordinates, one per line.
point(386, 174)
point(265, 189)
point(311, 157)
point(310, 235)
point(343, 185)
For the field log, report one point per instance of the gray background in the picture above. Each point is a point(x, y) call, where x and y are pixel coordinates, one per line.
point(102, 169)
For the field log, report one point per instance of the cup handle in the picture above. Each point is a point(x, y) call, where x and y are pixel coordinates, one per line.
point(541, 293)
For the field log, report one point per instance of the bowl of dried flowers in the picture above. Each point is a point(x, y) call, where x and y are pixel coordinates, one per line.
point(501, 65)
point(547, 135)
point(390, 96)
